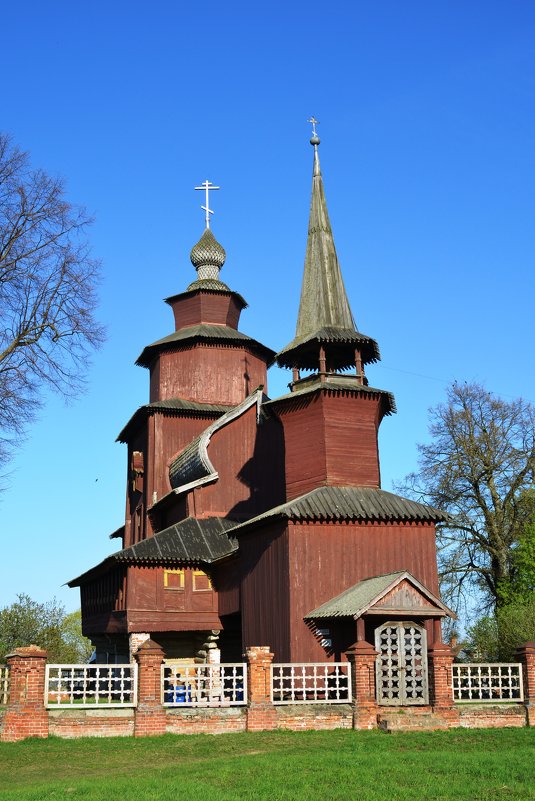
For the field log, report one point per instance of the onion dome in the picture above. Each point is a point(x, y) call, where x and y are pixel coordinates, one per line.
point(208, 256)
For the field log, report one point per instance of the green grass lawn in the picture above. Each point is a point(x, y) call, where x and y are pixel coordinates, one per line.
point(311, 766)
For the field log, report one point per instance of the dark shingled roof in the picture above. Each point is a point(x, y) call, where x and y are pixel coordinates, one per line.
point(349, 503)
point(190, 541)
point(365, 594)
point(338, 382)
point(303, 350)
point(173, 405)
point(206, 332)
point(215, 287)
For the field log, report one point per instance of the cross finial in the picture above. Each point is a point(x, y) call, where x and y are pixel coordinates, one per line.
point(314, 122)
point(207, 186)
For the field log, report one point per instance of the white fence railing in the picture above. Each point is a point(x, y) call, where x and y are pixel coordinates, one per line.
point(4, 685)
point(496, 681)
point(204, 685)
point(311, 683)
point(91, 685)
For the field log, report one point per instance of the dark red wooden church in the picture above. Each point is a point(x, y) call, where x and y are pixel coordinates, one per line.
point(252, 521)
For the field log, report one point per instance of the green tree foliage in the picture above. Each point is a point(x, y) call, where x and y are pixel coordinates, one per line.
point(495, 638)
point(47, 625)
point(48, 298)
point(519, 587)
point(479, 467)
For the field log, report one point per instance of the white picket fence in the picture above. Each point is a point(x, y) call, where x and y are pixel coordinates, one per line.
point(90, 686)
point(4, 685)
point(311, 683)
point(487, 682)
point(204, 685)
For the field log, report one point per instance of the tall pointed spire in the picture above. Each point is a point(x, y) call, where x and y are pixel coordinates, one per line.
point(323, 296)
point(326, 336)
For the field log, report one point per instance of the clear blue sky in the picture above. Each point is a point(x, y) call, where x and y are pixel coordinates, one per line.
point(428, 151)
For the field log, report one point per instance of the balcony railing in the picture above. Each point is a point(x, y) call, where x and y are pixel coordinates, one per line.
point(91, 686)
point(204, 685)
point(490, 682)
point(311, 683)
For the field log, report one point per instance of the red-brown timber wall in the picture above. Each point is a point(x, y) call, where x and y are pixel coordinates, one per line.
point(265, 593)
point(205, 307)
point(327, 558)
point(171, 435)
point(249, 460)
point(288, 569)
point(152, 607)
point(207, 373)
point(330, 438)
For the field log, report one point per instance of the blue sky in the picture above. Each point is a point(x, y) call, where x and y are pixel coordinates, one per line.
point(427, 127)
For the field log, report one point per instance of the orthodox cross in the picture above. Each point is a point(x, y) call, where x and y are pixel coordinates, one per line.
point(314, 122)
point(206, 186)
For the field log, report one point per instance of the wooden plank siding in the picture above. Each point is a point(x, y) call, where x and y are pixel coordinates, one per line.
point(153, 607)
point(265, 589)
point(330, 439)
point(204, 371)
point(327, 558)
point(171, 435)
point(351, 447)
point(249, 459)
point(205, 307)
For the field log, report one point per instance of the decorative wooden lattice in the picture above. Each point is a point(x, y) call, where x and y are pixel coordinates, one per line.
point(311, 683)
point(91, 685)
point(4, 685)
point(204, 685)
point(401, 673)
point(489, 682)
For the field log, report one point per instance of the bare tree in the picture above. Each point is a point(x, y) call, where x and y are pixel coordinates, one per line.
point(47, 293)
point(479, 466)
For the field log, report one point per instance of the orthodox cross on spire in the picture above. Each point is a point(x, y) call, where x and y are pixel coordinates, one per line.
point(207, 186)
point(314, 122)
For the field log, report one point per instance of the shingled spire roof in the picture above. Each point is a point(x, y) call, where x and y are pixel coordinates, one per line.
point(324, 312)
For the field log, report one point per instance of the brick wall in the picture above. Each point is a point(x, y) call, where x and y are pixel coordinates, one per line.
point(491, 716)
point(314, 717)
point(72, 723)
point(206, 721)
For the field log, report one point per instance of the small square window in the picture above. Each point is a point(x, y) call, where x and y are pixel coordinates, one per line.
point(173, 579)
point(201, 582)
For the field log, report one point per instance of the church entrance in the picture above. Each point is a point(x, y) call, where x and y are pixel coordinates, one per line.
point(401, 668)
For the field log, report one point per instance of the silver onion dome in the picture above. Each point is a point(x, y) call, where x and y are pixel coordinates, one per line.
point(208, 256)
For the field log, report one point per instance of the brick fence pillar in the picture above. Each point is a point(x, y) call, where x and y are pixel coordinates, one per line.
point(26, 715)
point(526, 655)
point(261, 714)
point(361, 657)
point(440, 661)
point(150, 716)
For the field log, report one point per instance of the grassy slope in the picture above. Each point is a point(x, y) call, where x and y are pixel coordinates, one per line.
point(454, 765)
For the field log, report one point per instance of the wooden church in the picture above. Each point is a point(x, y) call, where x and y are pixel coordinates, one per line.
point(258, 521)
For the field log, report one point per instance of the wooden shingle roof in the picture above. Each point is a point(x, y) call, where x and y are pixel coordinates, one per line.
point(337, 504)
point(204, 332)
point(191, 541)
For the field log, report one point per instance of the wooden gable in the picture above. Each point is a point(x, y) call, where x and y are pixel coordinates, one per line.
point(405, 599)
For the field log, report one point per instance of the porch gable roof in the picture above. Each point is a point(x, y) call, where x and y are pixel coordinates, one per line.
point(392, 593)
